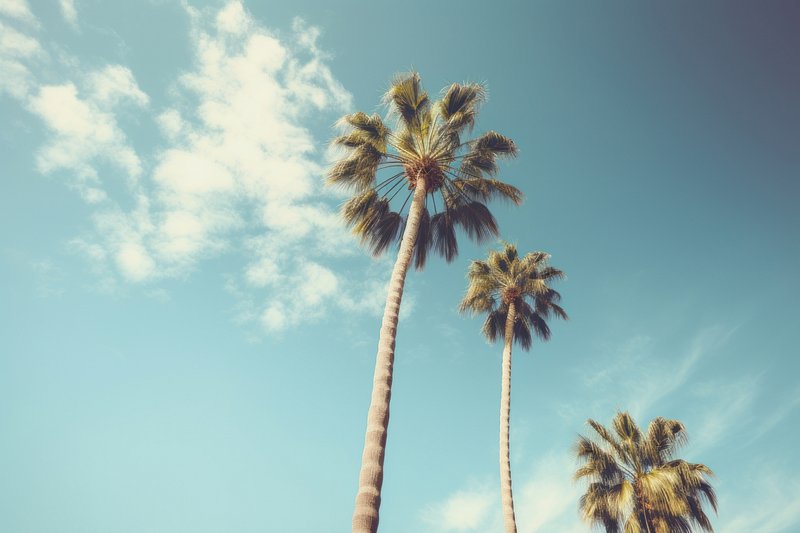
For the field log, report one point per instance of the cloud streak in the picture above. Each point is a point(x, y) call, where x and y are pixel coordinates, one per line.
point(772, 505)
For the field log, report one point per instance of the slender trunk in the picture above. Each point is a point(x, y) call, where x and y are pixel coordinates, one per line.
point(505, 422)
point(368, 499)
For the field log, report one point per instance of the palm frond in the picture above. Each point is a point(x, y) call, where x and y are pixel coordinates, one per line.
point(486, 189)
point(408, 100)
point(459, 105)
point(364, 129)
point(477, 303)
point(443, 235)
point(664, 437)
point(534, 262)
point(540, 327)
point(476, 220)
point(522, 333)
point(424, 241)
point(494, 325)
point(357, 172)
point(608, 438)
point(668, 495)
point(626, 428)
point(360, 207)
point(383, 232)
point(478, 269)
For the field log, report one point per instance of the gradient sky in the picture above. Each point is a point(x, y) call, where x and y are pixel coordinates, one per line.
point(187, 334)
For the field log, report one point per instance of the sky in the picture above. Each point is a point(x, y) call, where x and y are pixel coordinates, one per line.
point(188, 332)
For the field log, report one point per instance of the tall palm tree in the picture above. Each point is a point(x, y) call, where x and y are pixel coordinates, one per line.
point(452, 178)
point(636, 485)
point(515, 294)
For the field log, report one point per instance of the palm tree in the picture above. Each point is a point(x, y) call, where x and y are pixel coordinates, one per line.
point(636, 485)
point(425, 155)
point(514, 292)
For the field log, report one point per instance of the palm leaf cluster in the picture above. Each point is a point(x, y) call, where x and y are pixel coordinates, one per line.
point(383, 166)
point(506, 278)
point(635, 484)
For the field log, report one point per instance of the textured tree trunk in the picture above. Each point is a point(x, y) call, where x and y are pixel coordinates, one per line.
point(505, 419)
point(368, 499)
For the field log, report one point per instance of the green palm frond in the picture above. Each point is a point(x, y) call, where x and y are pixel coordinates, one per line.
point(478, 269)
point(459, 105)
point(424, 242)
point(522, 332)
point(663, 438)
point(384, 232)
point(627, 430)
point(483, 153)
point(358, 171)
point(608, 439)
point(476, 220)
point(494, 325)
point(486, 189)
point(443, 236)
point(363, 129)
point(360, 207)
point(408, 100)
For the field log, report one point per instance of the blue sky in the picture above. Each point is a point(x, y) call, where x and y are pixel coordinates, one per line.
point(188, 332)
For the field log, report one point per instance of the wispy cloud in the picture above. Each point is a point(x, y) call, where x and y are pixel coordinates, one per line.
point(69, 12)
point(18, 10)
point(723, 408)
point(771, 505)
point(635, 376)
point(785, 407)
point(18, 52)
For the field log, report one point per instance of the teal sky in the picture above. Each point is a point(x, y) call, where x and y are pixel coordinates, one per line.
point(187, 335)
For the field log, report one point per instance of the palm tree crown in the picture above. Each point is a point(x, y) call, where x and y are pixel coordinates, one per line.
point(505, 279)
point(425, 147)
point(635, 484)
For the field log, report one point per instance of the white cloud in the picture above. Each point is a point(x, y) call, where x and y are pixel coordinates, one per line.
point(17, 50)
point(17, 9)
point(274, 317)
point(233, 19)
point(16, 44)
point(115, 84)
point(134, 261)
point(171, 123)
point(84, 129)
point(547, 495)
point(69, 12)
point(464, 510)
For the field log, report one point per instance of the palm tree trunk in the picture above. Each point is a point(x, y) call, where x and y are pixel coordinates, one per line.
point(368, 499)
point(505, 423)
